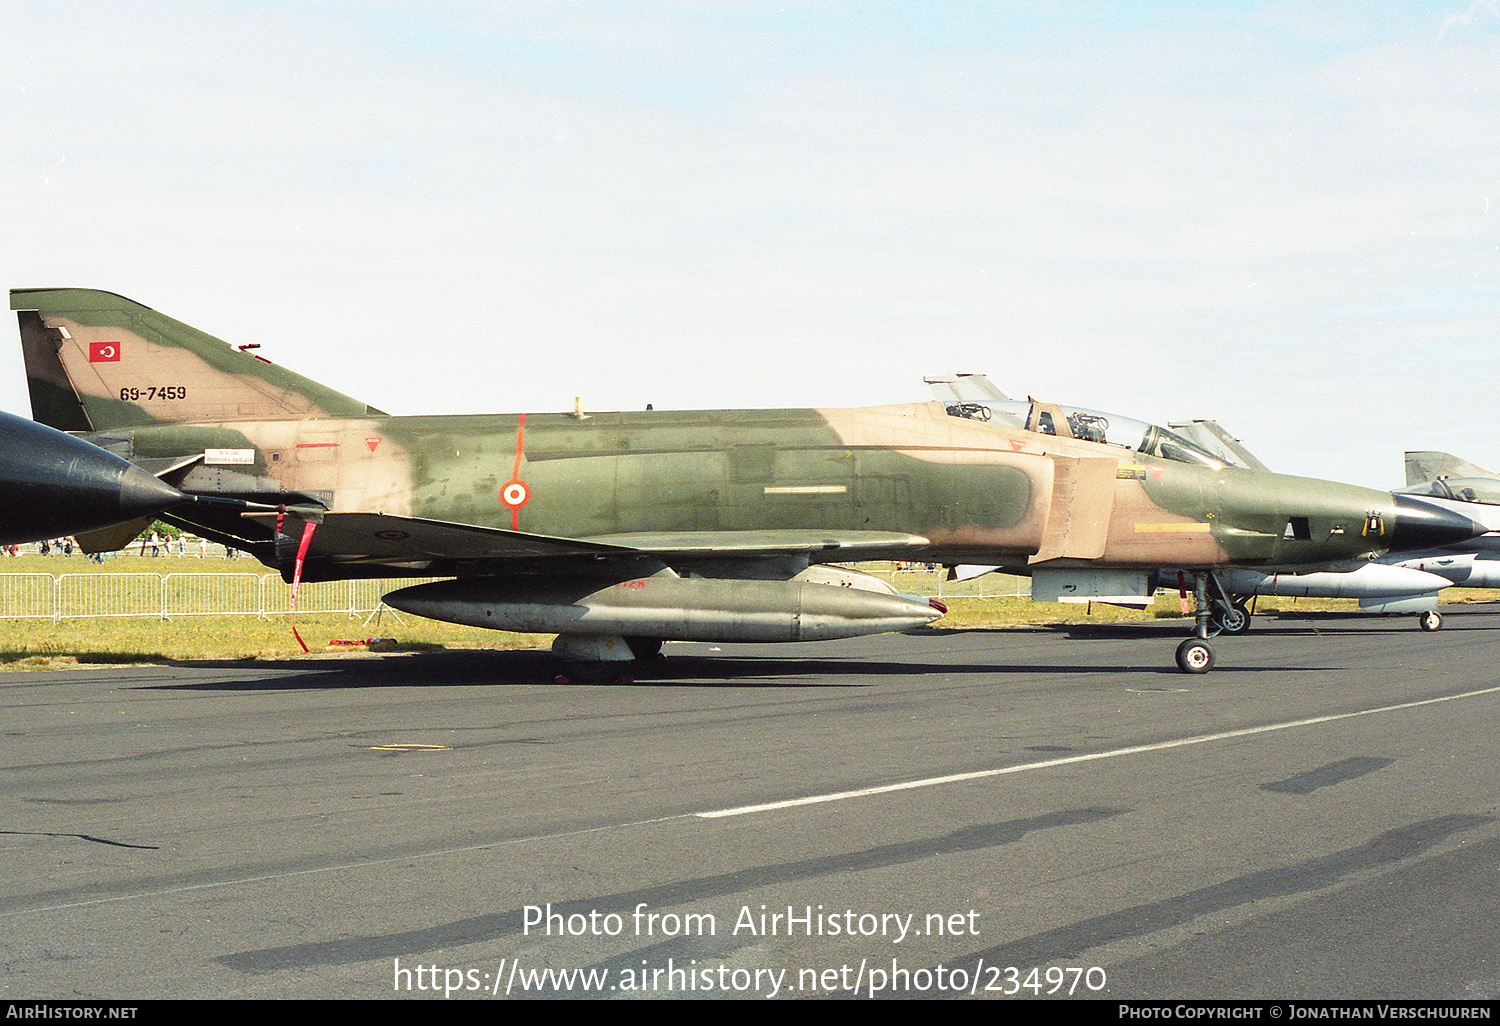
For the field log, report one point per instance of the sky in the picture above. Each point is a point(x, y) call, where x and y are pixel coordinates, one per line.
point(1283, 216)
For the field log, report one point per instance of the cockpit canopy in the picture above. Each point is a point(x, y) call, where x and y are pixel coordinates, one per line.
point(1091, 426)
point(1460, 489)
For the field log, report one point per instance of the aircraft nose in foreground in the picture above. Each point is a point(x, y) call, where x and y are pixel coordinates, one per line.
point(1424, 525)
point(55, 484)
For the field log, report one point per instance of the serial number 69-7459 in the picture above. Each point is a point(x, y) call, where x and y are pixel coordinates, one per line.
point(135, 395)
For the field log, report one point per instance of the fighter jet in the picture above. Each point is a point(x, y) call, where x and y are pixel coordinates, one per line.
point(617, 531)
point(1396, 582)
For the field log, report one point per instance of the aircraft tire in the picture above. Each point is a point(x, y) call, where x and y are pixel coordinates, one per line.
point(1430, 620)
point(1236, 621)
point(1194, 656)
point(644, 648)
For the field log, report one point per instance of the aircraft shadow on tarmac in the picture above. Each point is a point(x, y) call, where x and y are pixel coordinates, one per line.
point(1285, 623)
point(1293, 628)
point(1458, 618)
point(523, 668)
point(691, 892)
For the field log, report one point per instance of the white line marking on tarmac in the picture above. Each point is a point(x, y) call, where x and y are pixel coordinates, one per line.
point(745, 810)
point(1160, 746)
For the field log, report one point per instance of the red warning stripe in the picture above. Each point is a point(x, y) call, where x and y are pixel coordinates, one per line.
point(515, 470)
point(307, 533)
point(515, 494)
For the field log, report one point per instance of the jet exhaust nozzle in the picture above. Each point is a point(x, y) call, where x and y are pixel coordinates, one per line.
point(56, 485)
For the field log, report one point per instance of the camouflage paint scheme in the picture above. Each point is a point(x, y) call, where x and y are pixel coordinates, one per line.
point(751, 494)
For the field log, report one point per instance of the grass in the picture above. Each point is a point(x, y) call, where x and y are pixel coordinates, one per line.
point(150, 639)
point(142, 640)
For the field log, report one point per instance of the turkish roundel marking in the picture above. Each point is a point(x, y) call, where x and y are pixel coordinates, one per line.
point(515, 494)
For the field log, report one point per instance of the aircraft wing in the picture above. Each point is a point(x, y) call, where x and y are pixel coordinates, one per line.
point(842, 546)
point(375, 538)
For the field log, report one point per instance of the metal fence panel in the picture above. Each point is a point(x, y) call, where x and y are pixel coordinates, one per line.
point(352, 598)
point(79, 596)
point(210, 594)
point(314, 597)
point(89, 595)
point(185, 593)
point(28, 596)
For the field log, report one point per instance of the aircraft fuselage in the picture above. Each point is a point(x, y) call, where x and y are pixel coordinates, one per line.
point(974, 492)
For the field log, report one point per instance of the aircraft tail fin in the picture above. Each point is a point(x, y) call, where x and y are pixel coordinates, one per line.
point(96, 361)
point(1429, 466)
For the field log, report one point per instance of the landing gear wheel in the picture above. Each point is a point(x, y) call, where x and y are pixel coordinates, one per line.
point(1194, 656)
point(1235, 621)
point(1430, 620)
point(593, 659)
point(644, 648)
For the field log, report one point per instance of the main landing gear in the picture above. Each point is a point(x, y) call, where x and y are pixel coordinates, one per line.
point(603, 659)
point(1218, 612)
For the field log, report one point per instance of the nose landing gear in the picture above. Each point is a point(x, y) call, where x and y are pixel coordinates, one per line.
point(1217, 612)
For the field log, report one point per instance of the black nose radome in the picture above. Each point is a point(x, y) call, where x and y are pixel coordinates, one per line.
point(1425, 525)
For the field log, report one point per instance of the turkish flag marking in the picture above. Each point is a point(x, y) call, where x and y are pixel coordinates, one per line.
point(104, 352)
